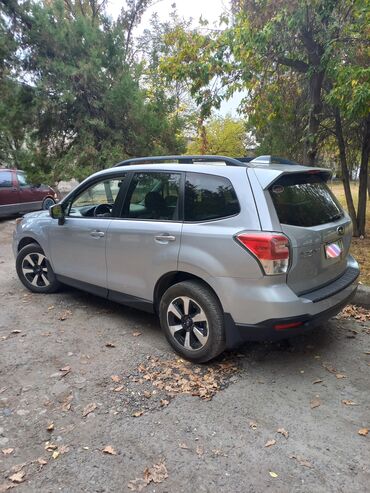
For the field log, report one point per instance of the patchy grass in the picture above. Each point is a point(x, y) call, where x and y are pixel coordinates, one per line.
point(360, 249)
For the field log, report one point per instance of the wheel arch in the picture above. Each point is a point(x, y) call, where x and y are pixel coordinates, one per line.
point(27, 241)
point(174, 277)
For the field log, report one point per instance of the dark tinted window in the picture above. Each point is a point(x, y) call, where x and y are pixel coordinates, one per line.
point(304, 200)
point(153, 196)
point(6, 179)
point(209, 197)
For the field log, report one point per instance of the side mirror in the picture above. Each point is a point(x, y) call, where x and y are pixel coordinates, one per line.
point(56, 212)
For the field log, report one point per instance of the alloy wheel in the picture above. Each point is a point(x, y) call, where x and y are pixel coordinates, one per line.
point(188, 323)
point(35, 269)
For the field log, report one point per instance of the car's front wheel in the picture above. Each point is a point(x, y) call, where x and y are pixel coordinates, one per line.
point(34, 270)
point(192, 319)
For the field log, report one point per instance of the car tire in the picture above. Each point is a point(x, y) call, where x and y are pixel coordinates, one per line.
point(34, 270)
point(193, 321)
point(47, 203)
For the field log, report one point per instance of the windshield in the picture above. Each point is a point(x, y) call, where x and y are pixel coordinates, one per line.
point(304, 199)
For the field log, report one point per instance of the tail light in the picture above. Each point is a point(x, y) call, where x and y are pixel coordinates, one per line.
point(271, 249)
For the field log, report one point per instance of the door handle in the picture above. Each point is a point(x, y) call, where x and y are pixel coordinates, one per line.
point(96, 234)
point(164, 238)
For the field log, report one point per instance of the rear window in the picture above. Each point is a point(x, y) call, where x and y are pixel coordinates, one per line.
point(209, 197)
point(304, 200)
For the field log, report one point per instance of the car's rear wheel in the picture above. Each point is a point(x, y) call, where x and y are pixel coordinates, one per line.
point(34, 270)
point(192, 319)
point(48, 202)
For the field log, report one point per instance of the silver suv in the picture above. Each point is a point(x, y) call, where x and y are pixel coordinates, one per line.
point(222, 250)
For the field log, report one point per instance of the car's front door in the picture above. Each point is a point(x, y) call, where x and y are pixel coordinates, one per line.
point(77, 247)
point(144, 244)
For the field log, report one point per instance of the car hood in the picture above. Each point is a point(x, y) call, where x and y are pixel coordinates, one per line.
point(37, 214)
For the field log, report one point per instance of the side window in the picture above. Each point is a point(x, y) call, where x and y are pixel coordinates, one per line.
point(97, 200)
point(209, 197)
point(153, 196)
point(6, 180)
point(22, 179)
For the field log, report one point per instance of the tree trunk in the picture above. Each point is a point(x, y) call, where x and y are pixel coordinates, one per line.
point(203, 136)
point(363, 177)
point(316, 81)
point(345, 171)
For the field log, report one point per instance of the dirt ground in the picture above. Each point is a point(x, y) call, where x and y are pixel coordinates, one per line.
point(80, 375)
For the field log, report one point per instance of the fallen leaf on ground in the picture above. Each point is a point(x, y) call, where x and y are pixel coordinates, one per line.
point(136, 414)
point(273, 474)
point(18, 477)
point(164, 402)
point(55, 454)
point(156, 474)
point(301, 460)
point(42, 461)
point(330, 368)
point(178, 376)
point(199, 450)
point(269, 443)
point(118, 389)
point(109, 450)
point(356, 312)
point(64, 315)
point(66, 405)
point(89, 409)
point(16, 331)
point(110, 344)
point(340, 375)
point(3, 389)
point(50, 427)
point(318, 380)
point(147, 394)
point(50, 446)
point(253, 425)
point(348, 402)
point(7, 451)
point(116, 378)
point(315, 402)
point(363, 432)
point(283, 432)
point(136, 333)
point(183, 445)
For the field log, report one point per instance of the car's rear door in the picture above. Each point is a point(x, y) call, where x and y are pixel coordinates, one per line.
point(318, 229)
point(144, 243)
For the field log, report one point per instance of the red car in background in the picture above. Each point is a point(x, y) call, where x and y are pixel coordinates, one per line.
point(17, 195)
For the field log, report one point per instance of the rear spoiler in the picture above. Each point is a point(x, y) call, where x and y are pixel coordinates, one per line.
point(268, 176)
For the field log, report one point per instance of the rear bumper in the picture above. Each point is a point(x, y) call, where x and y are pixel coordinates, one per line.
point(308, 310)
point(237, 334)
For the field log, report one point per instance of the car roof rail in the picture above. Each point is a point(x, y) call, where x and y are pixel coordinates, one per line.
point(271, 160)
point(181, 159)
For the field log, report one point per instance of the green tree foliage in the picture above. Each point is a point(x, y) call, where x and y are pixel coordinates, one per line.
point(304, 68)
point(88, 105)
point(224, 136)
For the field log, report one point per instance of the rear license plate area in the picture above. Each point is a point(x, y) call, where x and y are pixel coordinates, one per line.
point(334, 250)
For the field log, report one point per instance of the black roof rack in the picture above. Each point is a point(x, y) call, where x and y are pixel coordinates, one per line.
point(229, 161)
